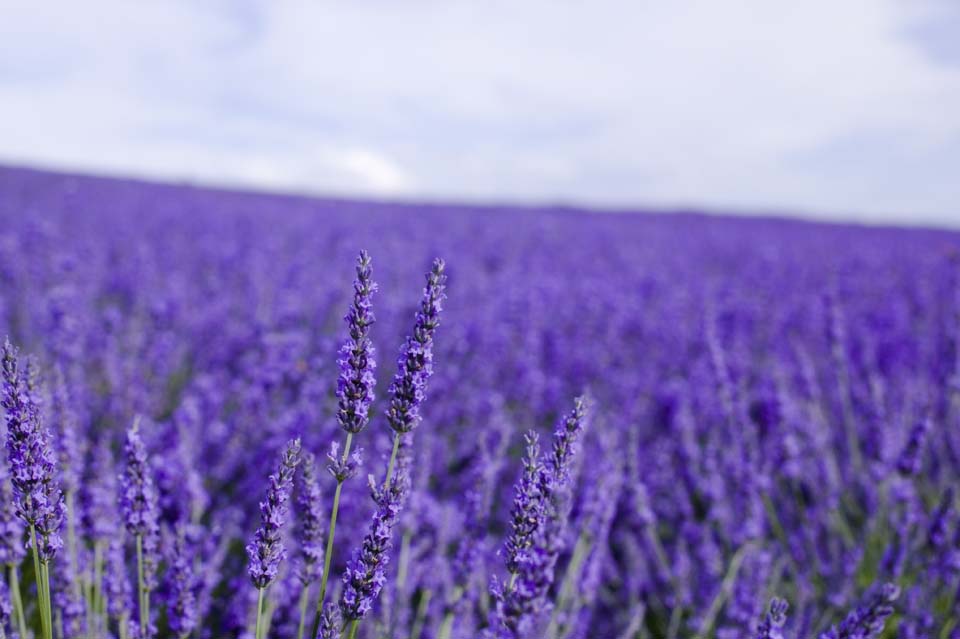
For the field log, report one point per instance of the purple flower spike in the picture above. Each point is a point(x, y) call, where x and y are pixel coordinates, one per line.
point(39, 501)
point(331, 622)
point(364, 575)
point(867, 620)
point(182, 610)
point(267, 551)
point(139, 503)
point(340, 469)
point(772, 625)
point(527, 504)
point(311, 522)
point(356, 383)
point(415, 363)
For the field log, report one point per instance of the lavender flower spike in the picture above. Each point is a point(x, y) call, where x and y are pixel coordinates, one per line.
point(527, 504)
point(772, 625)
point(415, 363)
point(311, 522)
point(139, 505)
point(267, 551)
point(356, 383)
point(37, 495)
point(364, 575)
point(867, 620)
point(182, 609)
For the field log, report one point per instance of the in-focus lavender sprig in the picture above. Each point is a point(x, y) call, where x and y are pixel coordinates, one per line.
point(266, 551)
point(355, 392)
point(355, 385)
point(32, 462)
point(365, 572)
point(772, 625)
point(866, 621)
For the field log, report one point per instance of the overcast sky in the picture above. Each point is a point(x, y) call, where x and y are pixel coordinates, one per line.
point(847, 109)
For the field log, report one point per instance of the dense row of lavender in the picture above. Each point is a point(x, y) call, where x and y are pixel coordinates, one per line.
point(222, 422)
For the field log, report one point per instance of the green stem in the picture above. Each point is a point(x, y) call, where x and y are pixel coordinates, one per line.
point(354, 625)
point(45, 572)
point(17, 600)
point(421, 614)
point(446, 626)
point(45, 627)
point(329, 554)
point(580, 551)
point(122, 625)
point(141, 589)
point(706, 626)
point(256, 633)
point(72, 542)
point(97, 585)
point(393, 460)
point(304, 597)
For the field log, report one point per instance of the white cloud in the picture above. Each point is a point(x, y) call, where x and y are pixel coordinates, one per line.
point(820, 106)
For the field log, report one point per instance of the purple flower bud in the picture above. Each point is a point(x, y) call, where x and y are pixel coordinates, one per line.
point(266, 551)
point(341, 469)
point(182, 606)
point(331, 622)
point(527, 504)
point(139, 503)
point(772, 625)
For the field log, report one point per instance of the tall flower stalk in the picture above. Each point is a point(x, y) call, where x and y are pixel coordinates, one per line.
point(37, 496)
point(138, 502)
point(266, 551)
point(415, 364)
point(355, 391)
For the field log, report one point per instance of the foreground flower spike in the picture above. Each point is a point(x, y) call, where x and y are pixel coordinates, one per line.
point(524, 599)
point(415, 362)
point(267, 551)
point(139, 505)
point(331, 622)
point(867, 620)
point(355, 385)
point(364, 575)
point(310, 520)
point(772, 625)
point(37, 495)
point(355, 388)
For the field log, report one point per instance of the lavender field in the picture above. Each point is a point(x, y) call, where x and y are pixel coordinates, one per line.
point(525, 424)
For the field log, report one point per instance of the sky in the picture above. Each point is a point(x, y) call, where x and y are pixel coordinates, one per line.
point(840, 110)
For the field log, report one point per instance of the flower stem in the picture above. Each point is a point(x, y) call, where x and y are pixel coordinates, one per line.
point(329, 554)
point(304, 596)
point(17, 600)
point(354, 625)
point(421, 614)
point(393, 460)
point(42, 593)
point(142, 589)
point(259, 612)
point(706, 626)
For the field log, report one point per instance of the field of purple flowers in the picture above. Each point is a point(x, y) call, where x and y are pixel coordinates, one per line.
point(241, 415)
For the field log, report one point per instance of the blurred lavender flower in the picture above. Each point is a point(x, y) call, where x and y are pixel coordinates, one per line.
point(310, 522)
point(138, 502)
point(527, 504)
point(182, 604)
point(867, 620)
point(772, 625)
point(266, 551)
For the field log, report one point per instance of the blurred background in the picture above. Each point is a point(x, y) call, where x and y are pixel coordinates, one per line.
point(836, 110)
